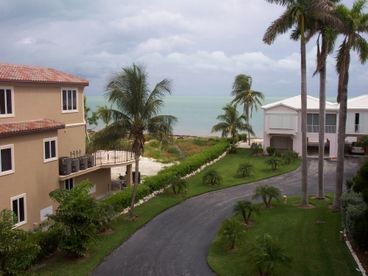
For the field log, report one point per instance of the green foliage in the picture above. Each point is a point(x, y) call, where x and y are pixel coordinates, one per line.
point(267, 193)
point(289, 156)
point(199, 142)
point(188, 165)
point(233, 149)
point(75, 218)
point(355, 218)
point(17, 248)
point(256, 149)
point(271, 151)
point(245, 208)
point(178, 185)
point(48, 241)
point(244, 170)
point(212, 178)
point(267, 256)
point(274, 162)
point(105, 215)
point(242, 137)
point(364, 141)
point(231, 232)
point(359, 183)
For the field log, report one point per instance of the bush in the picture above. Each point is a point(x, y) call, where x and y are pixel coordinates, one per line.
point(17, 248)
point(105, 216)
point(256, 149)
point(243, 137)
point(267, 193)
point(274, 162)
point(231, 233)
point(360, 183)
point(233, 149)
point(271, 151)
point(244, 170)
point(212, 178)
point(178, 185)
point(245, 208)
point(289, 157)
point(122, 199)
point(48, 241)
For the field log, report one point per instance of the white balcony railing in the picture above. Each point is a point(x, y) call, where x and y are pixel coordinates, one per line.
point(315, 128)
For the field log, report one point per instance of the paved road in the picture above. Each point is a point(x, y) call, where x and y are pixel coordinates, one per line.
point(176, 242)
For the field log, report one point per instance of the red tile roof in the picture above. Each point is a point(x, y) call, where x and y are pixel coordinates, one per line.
point(26, 73)
point(28, 127)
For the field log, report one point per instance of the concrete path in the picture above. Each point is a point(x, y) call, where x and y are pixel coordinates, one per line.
point(176, 242)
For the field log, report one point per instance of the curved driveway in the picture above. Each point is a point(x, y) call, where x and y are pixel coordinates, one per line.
point(176, 242)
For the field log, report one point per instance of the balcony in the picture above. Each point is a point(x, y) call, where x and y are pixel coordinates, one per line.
point(74, 166)
point(315, 128)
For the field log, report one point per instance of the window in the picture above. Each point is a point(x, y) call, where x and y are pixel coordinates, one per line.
point(69, 184)
point(18, 206)
point(282, 121)
point(49, 149)
point(356, 122)
point(69, 100)
point(6, 102)
point(6, 159)
point(330, 123)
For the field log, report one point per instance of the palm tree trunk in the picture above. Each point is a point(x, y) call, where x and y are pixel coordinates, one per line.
point(134, 192)
point(343, 98)
point(247, 114)
point(304, 113)
point(322, 117)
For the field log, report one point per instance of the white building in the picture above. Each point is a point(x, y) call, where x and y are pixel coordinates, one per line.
point(282, 123)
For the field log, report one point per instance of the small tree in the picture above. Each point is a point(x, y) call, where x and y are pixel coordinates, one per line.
point(267, 255)
point(231, 232)
point(212, 178)
point(289, 157)
point(274, 162)
point(256, 149)
point(178, 185)
point(75, 217)
point(245, 208)
point(244, 170)
point(17, 249)
point(267, 193)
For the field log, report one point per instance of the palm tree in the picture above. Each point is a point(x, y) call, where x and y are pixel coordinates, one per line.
point(231, 122)
point(245, 208)
point(134, 111)
point(246, 96)
point(296, 14)
point(355, 24)
point(103, 113)
point(267, 193)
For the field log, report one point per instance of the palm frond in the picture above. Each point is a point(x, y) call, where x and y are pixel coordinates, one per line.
point(279, 26)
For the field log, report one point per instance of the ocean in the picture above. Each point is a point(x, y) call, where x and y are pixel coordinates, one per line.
point(196, 114)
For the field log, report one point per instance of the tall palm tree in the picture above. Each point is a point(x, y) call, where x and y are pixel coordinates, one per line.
point(296, 14)
point(135, 111)
point(243, 93)
point(231, 122)
point(355, 24)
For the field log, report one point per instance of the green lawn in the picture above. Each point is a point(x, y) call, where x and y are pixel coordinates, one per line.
point(309, 236)
point(123, 228)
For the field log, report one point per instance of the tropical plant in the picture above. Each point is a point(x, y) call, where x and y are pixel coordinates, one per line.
point(274, 162)
point(105, 214)
point(243, 94)
point(267, 256)
point(212, 178)
point(103, 113)
point(135, 111)
point(231, 122)
point(178, 185)
point(271, 151)
point(355, 25)
point(289, 156)
point(17, 248)
point(75, 218)
point(256, 149)
point(267, 193)
point(244, 170)
point(162, 129)
point(296, 14)
point(245, 208)
point(231, 233)
point(359, 183)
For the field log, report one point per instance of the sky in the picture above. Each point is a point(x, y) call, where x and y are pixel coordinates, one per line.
point(200, 45)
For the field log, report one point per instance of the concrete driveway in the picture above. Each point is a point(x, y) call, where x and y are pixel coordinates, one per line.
point(176, 242)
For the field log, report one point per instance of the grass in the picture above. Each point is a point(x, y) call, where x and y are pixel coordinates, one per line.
point(123, 228)
point(309, 236)
point(178, 150)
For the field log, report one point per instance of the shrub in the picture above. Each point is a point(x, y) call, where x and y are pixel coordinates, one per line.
point(48, 241)
point(199, 142)
point(274, 162)
point(289, 157)
point(233, 149)
point(360, 183)
point(256, 149)
point(267, 193)
point(104, 216)
point(245, 208)
point(178, 185)
point(212, 178)
point(243, 137)
point(271, 151)
point(231, 233)
point(75, 217)
point(17, 248)
point(244, 170)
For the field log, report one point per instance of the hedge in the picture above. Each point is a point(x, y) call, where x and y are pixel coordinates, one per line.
point(121, 200)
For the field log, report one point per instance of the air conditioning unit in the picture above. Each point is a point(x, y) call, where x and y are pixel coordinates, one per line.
point(83, 162)
point(91, 161)
point(65, 165)
point(75, 164)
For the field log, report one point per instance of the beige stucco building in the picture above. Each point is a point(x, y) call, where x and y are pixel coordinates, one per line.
point(42, 142)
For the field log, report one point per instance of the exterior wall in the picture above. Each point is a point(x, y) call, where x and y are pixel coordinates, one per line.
point(32, 176)
point(363, 122)
point(36, 101)
point(100, 178)
point(72, 139)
